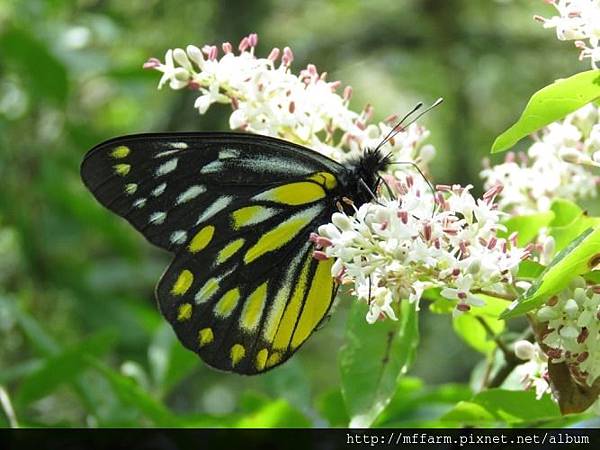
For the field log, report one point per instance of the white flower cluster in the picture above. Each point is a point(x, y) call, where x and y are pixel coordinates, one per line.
point(578, 20)
point(267, 98)
point(558, 164)
point(572, 333)
point(533, 373)
point(396, 249)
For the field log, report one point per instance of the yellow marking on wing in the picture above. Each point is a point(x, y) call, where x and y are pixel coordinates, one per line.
point(253, 308)
point(184, 312)
point(325, 178)
point(274, 358)
point(250, 214)
point(316, 304)
point(298, 193)
point(201, 239)
point(277, 237)
point(205, 337)
point(208, 290)
point(227, 303)
point(229, 250)
point(130, 188)
point(183, 283)
point(290, 316)
point(261, 359)
point(237, 353)
point(122, 169)
point(120, 152)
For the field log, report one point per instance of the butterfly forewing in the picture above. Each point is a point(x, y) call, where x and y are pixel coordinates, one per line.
point(243, 290)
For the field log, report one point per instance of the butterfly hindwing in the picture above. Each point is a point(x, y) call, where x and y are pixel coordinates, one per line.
point(243, 291)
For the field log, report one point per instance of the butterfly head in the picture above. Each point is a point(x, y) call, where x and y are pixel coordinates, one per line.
point(364, 172)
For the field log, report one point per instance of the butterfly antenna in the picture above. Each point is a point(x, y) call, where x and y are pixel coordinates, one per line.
point(398, 127)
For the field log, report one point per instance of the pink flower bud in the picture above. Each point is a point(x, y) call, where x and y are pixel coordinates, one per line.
point(253, 39)
point(334, 85)
point(427, 231)
point(403, 216)
point(211, 52)
point(274, 54)
point(347, 93)
point(227, 47)
point(319, 255)
point(244, 44)
point(288, 56)
point(152, 63)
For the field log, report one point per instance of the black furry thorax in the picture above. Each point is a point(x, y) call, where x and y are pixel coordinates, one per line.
point(366, 167)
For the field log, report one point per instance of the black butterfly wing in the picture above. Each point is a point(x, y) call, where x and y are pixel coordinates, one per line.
point(243, 290)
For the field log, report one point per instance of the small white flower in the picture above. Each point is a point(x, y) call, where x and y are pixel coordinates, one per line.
point(577, 20)
point(565, 149)
point(573, 335)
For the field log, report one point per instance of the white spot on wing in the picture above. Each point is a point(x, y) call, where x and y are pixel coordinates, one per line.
point(190, 193)
point(179, 145)
point(229, 153)
point(178, 237)
point(157, 217)
point(166, 153)
point(166, 167)
point(139, 203)
point(218, 205)
point(212, 167)
point(159, 189)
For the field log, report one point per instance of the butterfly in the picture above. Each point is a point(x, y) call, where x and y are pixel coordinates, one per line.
point(243, 290)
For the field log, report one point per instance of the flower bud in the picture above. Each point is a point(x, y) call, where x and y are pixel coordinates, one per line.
point(195, 54)
point(569, 332)
point(524, 350)
point(427, 153)
point(546, 313)
point(181, 58)
point(341, 221)
point(571, 308)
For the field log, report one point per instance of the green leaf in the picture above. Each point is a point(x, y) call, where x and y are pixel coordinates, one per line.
point(276, 414)
point(576, 259)
point(474, 334)
point(413, 399)
point(504, 406)
point(471, 330)
point(331, 407)
point(46, 76)
point(61, 368)
point(551, 103)
point(527, 227)
point(530, 270)
point(169, 361)
point(569, 222)
point(131, 394)
point(373, 359)
point(565, 212)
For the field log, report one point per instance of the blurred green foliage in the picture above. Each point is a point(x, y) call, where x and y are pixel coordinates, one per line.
point(82, 341)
